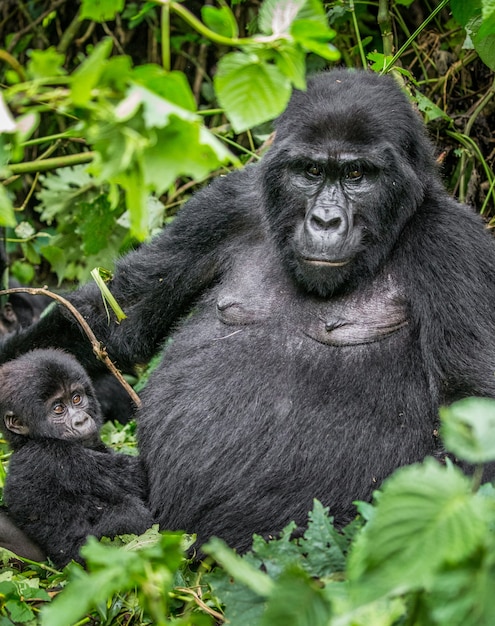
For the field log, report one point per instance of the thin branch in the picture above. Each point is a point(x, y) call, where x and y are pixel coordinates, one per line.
point(218, 616)
point(99, 351)
point(50, 164)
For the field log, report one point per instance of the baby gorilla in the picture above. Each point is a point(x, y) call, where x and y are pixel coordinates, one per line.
point(63, 483)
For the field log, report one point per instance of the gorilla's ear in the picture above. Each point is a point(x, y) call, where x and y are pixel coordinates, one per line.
point(15, 424)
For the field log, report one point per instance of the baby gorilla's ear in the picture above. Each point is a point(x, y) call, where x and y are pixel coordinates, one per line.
point(15, 424)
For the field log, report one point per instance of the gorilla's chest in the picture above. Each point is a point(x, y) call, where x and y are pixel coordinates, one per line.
point(257, 291)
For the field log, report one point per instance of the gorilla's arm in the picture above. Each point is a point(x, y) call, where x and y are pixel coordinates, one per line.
point(155, 284)
point(12, 538)
point(450, 274)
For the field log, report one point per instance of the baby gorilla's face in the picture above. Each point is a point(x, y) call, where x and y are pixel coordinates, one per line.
point(67, 416)
point(46, 394)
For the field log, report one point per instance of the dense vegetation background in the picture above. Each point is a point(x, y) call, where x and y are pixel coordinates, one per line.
point(111, 114)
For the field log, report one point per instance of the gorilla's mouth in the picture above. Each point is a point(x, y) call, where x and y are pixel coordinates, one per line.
point(325, 263)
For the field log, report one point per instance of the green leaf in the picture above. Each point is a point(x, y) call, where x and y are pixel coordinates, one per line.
point(98, 276)
point(7, 215)
point(276, 16)
point(484, 41)
point(171, 86)
point(463, 597)
point(250, 91)
point(297, 600)
point(242, 606)
point(86, 76)
point(464, 11)
point(291, 62)
point(324, 547)
point(61, 189)
point(277, 554)
point(157, 111)
point(315, 37)
point(429, 109)
point(468, 429)
point(238, 567)
point(426, 518)
point(56, 257)
point(132, 181)
point(45, 63)
point(220, 20)
point(100, 10)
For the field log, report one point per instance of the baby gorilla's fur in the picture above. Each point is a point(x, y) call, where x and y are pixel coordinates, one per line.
point(63, 483)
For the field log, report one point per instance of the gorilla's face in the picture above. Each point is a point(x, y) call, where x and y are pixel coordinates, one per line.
point(341, 180)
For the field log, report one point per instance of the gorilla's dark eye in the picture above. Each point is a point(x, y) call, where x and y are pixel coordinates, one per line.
point(314, 170)
point(354, 174)
point(58, 408)
point(76, 398)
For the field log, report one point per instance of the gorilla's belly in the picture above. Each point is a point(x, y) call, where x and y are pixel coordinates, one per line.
point(236, 449)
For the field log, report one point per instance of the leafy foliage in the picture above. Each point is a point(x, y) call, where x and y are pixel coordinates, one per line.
point(425, 555)
point(118, 117)
point(101, 139)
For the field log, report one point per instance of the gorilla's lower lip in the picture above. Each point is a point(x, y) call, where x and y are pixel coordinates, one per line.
point(323, 263)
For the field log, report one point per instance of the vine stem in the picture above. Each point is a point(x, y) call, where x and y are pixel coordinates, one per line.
point(50, 164)
point(98, 350)
point(410, 39)
point(166, 37)
point(200, 28)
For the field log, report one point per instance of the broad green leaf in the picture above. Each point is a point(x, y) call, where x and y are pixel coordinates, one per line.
point(60, 189)
point(464, 11)
point(315, 37)
point(463, 597)
point(250, 91)
point(297, 600)
point(86, 76)
point(57, 259)
point(487, 8)
point(7, 215)
point(484, 41)
point(378, 61)
point(276, 16)
point(96, 222)
point(156, 110)
point(45, 63)
point(171, 86)
point(468, 429)
point(23, 272)
point(239, 568)
point(133, 183)
point(220, 20)
point(242, 606)
point(18, 611)
point(100, 10)
point(290, 60)
point(426, 518)
point(429, 109)
point(277, 554)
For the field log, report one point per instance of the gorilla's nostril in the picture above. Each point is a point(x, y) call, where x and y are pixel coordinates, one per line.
point(319, 222)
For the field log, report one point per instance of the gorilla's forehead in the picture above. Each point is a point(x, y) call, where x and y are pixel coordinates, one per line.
point(353, 109)
point(343, 128)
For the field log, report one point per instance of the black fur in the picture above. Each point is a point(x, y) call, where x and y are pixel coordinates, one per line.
point(323, 304)
point(62, 487)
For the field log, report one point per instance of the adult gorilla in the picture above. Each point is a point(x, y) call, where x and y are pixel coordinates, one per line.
point(322, 305)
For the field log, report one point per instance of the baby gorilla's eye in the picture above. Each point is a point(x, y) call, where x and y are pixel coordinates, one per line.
point(76, 398)
point(58, 408)
point(314, 170)
point(354, 174)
